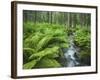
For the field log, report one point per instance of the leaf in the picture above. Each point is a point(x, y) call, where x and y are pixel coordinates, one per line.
point(60, 39)
point(29, 50)
point(30, 64)
point(32, 40)
point(52, 56)
point(45, 52)
point(26, 53)
point(82, 37)
point(59, 32)
point(43, 42)
point(64, 45)
point(28, 28)
point(48, 63)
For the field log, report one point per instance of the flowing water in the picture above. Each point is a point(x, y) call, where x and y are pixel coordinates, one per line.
point(70, 54)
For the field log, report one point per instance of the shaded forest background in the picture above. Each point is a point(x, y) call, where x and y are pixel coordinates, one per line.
point(64, 18)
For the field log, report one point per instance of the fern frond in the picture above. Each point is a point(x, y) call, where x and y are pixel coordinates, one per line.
point(30, 64)
point(48, 63)
point(45, 52)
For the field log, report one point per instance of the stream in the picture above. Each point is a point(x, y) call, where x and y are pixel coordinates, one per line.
point(70, 54)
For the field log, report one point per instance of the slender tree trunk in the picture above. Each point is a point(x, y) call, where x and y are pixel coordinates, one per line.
point(74, 20)
point(51, 18)
point(35, 16)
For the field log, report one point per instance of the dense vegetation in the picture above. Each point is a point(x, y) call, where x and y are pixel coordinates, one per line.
point(42, 44)
point(46, 34)
point(83, 41)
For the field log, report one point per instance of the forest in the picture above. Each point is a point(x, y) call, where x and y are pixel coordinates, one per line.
point(54, 39)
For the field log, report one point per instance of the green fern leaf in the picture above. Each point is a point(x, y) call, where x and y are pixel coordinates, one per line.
point(30, 64)
point(43, 42)
point(45, 52)
point(48, 63)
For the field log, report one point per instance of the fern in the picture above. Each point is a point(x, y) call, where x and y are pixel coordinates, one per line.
point(30, 64)
point(48, 63)
point(47, 51)
point(29, 49)
point(42, 44)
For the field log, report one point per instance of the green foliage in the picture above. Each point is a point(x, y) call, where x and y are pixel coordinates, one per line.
point(82, 40)
point(30, 64)
point(27, 52)
point(84, 53)
point(46, 51)
point(85, 56)
point(82, 37)
point(48, 63)
point(42, 44)
point(28, 29)
point(46, 34)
